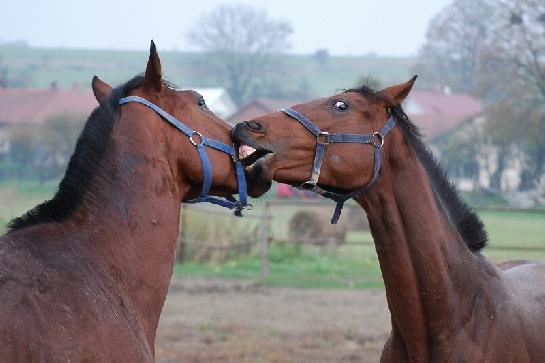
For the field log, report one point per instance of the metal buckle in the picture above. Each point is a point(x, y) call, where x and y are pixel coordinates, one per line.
point(201, 138)
point(247, 207)
point(325, 136)
point(308, 185)
point(239, 208)
point(378, 135)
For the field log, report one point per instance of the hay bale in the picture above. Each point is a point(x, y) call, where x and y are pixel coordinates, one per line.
point(356, 219)
point(314, 227)
point(305, 225)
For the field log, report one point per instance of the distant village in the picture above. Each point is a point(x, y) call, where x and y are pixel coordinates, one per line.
point(440, 114)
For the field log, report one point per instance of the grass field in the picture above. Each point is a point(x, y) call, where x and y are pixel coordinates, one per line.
point(308, 266)
point(16, 197)
point(38, 67)
point(357, 266)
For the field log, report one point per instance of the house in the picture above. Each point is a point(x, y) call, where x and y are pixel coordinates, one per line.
point(439, 113)
point(34, 106)
point(258, 107)
point(444, 117)
point(218, 101)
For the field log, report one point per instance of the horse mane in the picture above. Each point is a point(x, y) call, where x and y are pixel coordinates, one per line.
point(83, 165)
point(465, 220)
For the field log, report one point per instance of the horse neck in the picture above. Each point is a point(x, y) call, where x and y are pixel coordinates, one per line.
point(429, 273)
point(134, 207)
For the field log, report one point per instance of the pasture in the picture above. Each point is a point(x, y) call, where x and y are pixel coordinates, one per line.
point(73, 66)
point(512, 234)
point(322, 303)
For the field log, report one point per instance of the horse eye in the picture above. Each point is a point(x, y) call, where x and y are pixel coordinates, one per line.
point(341, 106)
point(201, 103)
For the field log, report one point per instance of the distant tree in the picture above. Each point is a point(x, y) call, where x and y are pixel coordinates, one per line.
point(57, 139)
point(22, 150)
point(42, 151)
point(495, 49)
point(455, 40)
point(370, 82)
point(302, 92)
point(3, 72)
point(459, 154)
point(242, 42)
point(321, 56)
point(513, 77)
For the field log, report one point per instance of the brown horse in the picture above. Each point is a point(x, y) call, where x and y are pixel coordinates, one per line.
point(83, 276)
point(447, 301)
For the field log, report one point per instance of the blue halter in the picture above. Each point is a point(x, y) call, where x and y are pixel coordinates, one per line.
point(203, 141)
point(322, 139)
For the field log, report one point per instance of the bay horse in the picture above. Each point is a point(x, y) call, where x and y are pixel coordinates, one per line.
point(448, 303)
point(83, 276)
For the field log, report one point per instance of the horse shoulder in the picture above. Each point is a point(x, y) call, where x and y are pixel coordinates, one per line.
point(60, 307)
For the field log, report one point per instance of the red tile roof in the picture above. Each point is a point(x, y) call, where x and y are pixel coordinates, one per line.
point(437, 113)
point(258, 107)
point(24, 105)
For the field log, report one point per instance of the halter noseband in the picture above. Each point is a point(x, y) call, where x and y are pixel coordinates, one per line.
point(322, 139)
point(229, 202)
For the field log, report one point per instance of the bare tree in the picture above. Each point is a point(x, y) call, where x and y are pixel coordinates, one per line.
point(43, 151)
point(496, 50)
point(455, 39)
point(513, 67)
point(3, 73)
point(242, 42)
point(519, 47)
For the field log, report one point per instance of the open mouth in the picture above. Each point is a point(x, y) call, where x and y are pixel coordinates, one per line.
point(248, 155)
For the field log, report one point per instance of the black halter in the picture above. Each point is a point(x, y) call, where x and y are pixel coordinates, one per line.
point(229, 202)
point(322, 139)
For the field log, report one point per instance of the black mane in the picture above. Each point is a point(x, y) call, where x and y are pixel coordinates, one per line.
point(89, 151)
point(464, 218)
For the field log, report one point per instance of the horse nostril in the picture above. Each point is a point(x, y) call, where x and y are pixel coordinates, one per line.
point(254, 126)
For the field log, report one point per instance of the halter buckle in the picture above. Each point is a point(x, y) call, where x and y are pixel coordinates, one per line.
point(239, 208)
point(378, 135)
point(247, 207)
point(308, 185)
point(201, 138)
point(322, 138)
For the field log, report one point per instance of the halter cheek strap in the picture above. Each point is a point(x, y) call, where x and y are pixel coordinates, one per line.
point(201, 142)
point(322, 140)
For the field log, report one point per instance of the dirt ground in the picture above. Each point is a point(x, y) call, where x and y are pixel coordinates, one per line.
point(218, 320)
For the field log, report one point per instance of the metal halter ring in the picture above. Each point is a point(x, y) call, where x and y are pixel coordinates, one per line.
point(247, 207)
point(378, 135)
point(201, 138)
point(322, 138)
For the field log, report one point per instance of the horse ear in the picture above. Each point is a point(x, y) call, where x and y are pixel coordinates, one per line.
point(399, 92)
point(153, 76)
point(101, 89)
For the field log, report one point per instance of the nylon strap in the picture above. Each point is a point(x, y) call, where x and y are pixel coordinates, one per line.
point(229, 202)
point(323, 139)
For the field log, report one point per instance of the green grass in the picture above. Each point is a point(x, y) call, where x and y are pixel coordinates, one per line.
point(514, 229)
point(357, 266)
point(308, 266)
point(16, 197)
point(301, 266)
point(41, 66)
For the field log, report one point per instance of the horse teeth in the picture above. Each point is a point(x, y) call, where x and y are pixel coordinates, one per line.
point(244, 151)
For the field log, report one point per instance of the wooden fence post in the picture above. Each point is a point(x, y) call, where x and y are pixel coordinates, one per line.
point(265, 236)
point(181, 248)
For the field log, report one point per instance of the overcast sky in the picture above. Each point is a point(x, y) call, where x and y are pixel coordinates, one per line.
point(344, 27)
